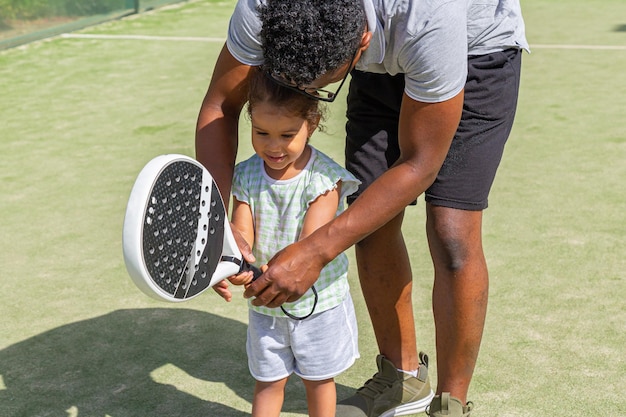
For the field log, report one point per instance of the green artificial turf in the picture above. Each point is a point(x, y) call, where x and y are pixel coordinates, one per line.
point(80, 117)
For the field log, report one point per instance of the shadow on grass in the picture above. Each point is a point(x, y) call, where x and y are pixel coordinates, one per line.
point(620, 28)
point(140, 362)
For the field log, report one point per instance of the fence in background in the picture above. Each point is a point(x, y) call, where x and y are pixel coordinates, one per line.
point(24, 21)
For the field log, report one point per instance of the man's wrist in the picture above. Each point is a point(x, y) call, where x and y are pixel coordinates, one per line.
point(323, 244)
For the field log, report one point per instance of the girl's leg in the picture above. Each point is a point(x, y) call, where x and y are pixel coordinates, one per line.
point(321, 397)
point(268, 398)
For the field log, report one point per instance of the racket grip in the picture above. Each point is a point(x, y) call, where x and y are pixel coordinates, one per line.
point(256, 272)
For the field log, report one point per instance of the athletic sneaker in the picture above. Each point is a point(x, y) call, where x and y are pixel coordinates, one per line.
point(390, 392)
point(445, 405)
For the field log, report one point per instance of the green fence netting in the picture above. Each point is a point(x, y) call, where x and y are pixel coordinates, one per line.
point(24, 21)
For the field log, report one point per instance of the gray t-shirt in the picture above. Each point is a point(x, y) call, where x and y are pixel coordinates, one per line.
point(427, 40)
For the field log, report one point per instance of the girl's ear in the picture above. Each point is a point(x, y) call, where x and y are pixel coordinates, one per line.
point(313, 124)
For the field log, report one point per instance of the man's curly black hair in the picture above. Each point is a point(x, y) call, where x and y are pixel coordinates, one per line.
point(304, 39)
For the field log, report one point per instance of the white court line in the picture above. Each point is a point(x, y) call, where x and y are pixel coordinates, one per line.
point(143, 37)
point(204, 39)
point(589, 47)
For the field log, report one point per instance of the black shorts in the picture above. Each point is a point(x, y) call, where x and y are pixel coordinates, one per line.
point(470, 167)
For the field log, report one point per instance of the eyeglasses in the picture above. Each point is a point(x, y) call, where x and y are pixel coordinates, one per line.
point(316, 93)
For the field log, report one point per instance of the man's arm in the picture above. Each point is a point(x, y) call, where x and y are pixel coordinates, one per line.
point(425, 133)
point(218, 121)
point(217, 133)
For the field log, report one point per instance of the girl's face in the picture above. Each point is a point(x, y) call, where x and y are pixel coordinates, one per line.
point(280, 139)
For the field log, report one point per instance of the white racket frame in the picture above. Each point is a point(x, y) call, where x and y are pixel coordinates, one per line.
point(132, 236)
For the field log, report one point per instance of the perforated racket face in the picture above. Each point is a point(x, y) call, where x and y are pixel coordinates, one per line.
point(183, 230)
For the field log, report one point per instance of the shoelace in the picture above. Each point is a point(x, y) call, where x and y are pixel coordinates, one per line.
point(374, 386)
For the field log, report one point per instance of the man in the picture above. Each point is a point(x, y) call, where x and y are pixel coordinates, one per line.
point(431, 103)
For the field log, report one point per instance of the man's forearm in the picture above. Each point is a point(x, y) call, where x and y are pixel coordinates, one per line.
point(216, 148)
point(218, 121)
point(382, 201)
point(425, 133)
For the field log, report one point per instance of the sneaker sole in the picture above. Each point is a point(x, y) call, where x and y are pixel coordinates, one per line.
point(415, 407)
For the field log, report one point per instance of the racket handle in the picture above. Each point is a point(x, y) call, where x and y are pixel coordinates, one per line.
point(256, 272)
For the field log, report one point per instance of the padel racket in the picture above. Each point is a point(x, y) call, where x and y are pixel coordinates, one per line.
point(177, 241)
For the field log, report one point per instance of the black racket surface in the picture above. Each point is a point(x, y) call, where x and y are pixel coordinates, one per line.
point(173, 222)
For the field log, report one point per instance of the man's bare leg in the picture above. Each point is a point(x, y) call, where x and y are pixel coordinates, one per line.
point(385, 276)
point(460, 294)
point(386, 282)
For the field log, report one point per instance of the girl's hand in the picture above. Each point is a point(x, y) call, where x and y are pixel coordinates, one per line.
point(263, 268)
point(243, 278)
point(221, 288)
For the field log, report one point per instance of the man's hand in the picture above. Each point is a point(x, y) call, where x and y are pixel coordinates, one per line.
point(290, 273)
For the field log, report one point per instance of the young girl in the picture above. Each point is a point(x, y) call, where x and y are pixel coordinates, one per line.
point(281, 194)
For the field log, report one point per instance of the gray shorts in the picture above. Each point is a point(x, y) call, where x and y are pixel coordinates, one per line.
point(469, 169)
point(317, 348)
